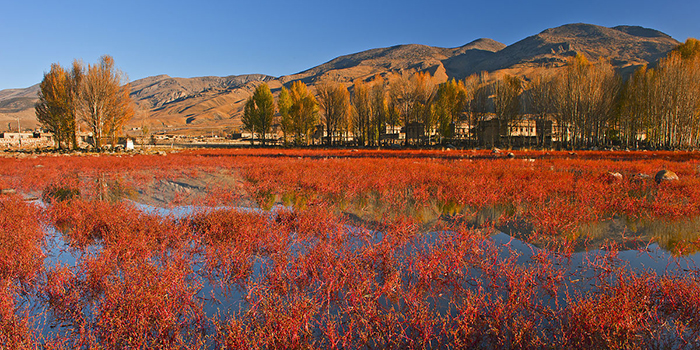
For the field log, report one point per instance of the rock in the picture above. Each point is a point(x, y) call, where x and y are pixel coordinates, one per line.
point(665, 175)
point(612, 177)
point(162, 153)
point(510, 155)
point(495, 151)
point(8, 191)
point(639, 178)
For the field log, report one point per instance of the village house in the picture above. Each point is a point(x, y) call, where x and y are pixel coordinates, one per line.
point(525, 133)
point(25, 140)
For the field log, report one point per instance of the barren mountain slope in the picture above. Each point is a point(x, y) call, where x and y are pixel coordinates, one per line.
point(624, 46)
point(402, 58)
point(18, 104)
point(193, 104)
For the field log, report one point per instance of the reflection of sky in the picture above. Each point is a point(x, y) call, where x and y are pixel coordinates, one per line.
point(179, 212)
point(653, 257)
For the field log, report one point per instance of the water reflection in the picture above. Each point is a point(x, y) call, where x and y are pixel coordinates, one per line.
point(680, 236)
point(580, 268)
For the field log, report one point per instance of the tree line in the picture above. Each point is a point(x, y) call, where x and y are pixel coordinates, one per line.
point(95, 95)
point(589, 103)
point(593, 106)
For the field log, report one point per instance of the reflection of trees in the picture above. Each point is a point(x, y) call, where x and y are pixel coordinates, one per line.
point(677, 237)
point(680, 237)
point(112, 189)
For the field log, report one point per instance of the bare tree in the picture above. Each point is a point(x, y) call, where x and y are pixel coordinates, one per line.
point(478, 91)
point(540, 98)
point(507, 103)
point(410, 98)
point(585, 99)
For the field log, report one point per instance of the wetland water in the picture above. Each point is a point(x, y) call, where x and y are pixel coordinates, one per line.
point(581, 270)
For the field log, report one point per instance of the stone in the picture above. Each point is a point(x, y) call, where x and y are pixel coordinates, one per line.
point(639, 178)
point(665, 175)
point(612, 177)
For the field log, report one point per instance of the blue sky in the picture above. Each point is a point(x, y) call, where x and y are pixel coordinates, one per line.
point(199, 38)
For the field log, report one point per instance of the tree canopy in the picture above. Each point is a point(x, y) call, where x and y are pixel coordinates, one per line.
point(259, 112)
point(96, 95)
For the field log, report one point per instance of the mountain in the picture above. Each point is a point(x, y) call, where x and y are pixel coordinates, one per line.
point(193, 105)
point(206, 104)
point(18, 105)
point(624, 46)
point(436, 60)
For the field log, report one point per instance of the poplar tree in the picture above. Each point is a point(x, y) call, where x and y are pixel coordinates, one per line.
point(96, 95)
point(449, 105)
point(104, 103)
point(303, 112)
point(540, 99)
point(53, 110)
point(259, 112)
point(507, 103)
point(585, 98)
point(284, 103)
point(379, 109)
point(334, 103)
point(478, 106)
point(362, 113)
point(249, 118)
point(411, 98)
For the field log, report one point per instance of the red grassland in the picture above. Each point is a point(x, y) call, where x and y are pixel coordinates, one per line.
point(380, 250)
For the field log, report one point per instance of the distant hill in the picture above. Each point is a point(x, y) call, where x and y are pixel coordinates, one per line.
point(206, 104)
point(193, 105)
point(18, 105)
point(440, 62)
point(624, 46)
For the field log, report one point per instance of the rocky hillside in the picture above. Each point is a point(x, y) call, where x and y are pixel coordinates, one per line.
point(440, 62)
point(207, 104)
point(18, 105)
point(624, 46)
point(194, 105)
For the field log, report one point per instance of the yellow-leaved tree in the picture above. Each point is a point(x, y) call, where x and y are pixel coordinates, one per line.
point(96, 95)
point(104, 103)
point(303, 112)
